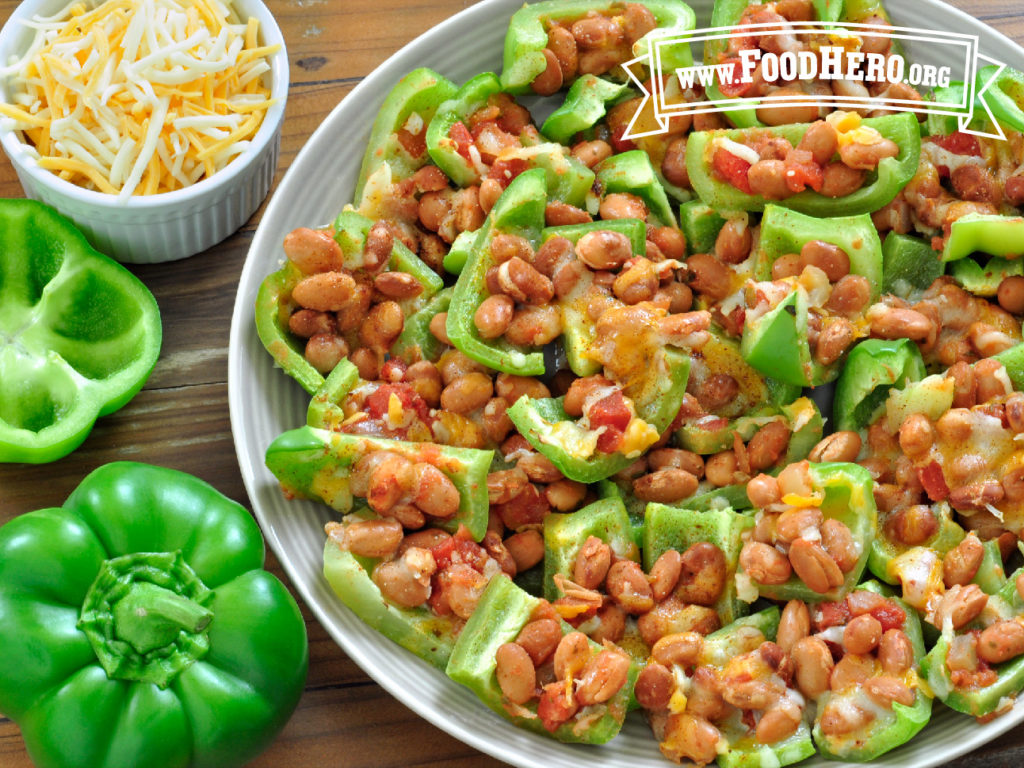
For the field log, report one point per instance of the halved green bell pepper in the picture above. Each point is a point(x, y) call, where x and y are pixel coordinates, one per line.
point(544, 423)
point(845, 492)
point(873, 368)
point(669, 527)
point(877, 738)
point(984, 280)
point(519, 211)
point(139, 627)
point(79, 334)
point(984, 233)
point(527, 35)
point(274, 305)
point(880, 188)
point(564, 535)
point(314, 464)
point(784, 231)
point(908, 264)
point(568, 179)
point(418, 630)
point(980, 701)
point(631, 172)
point(503, 610)
point(415, 97)
point(577, 327)
point(584, 106)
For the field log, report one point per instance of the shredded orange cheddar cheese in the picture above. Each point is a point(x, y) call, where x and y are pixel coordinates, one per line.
point(139, 97)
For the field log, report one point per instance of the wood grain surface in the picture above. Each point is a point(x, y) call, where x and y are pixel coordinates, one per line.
point(180, 419)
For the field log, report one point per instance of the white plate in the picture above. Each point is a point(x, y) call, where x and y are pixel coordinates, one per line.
point(265, 402)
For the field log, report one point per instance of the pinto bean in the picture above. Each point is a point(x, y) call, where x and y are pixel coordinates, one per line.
point(829, 258)
point(592, 563)
point(767, 445)
point(534, 326)
point(838, 542)
point(764, 563)
point(406, 580)
point(961, 563)
point(895, 652)
point(571, 655)
point(433, 492)
point(628, 586)
point(691, 738)
point(313, 250)
point(604, 249)
point(841, 719)
point(526, 548)
point(814, 567)
point(1010, 294)
point(794, 625)
point(849, 296)
point(792, 523)
point(840, 180)
point(622, 205)
point(1001, 642)
point(867, 156)
point(664, 574)
point(844, 445)
point(776, 725)
point(851, 670)
point(916, 435)
point(654, 687)
point(602, 677)
point(885, 691)
point(494, 315)
point(550, 80)
point(895, 323)
point(590, 153)
point(515, 673)
point(961, 605)
point(862, 634)
point(834, 340)
point(767, 178)
point(665, 486)
point(821, 140)
point(372, 538)
point(703, 573)
point(763, 490)
point(672, 616)
point(709, 276)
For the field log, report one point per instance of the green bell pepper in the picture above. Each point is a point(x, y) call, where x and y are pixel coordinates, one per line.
point(908, 264)
point(845, 493)
point(544, 423)
point(889, 559)
point(416, 342)
point(802, 417)
point(139, 627)
point(584, 106)
point(669, 527)
point(1005, 96)
point(527, 35)
point(274, 305)
point(414, 99)
point(984, 280)
point(631, 172)
point(519, 211)
point(568, 179)
point(419, 630)
point(984, 233)
point(873, 368)
point(784, 231)
point(564, 535)
point(1013, 360)
point(904, 722)
point(881, 187)
point(577, 327)
point(79, 334)
point(315, 464)
point(504, 609)
point(700, 225)
point(986, 699)
point(458, 252)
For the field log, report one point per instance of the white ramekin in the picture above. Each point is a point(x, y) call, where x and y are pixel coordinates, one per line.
point(172, 225)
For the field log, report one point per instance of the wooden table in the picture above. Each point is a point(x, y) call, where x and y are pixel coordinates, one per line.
point(180, 419)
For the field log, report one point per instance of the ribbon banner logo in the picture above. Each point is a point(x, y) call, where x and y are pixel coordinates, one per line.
point(820, 64)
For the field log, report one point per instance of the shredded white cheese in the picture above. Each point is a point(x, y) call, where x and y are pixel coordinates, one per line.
point(139, 96)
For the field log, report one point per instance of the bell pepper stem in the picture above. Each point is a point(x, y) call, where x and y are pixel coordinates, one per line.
point(149, 617)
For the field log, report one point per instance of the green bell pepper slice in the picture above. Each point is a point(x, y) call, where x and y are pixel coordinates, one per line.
point(784, 231)
point(419, 630)
point(416, 342)
point(881, 187)
point(584, 106)
point(568, 179)
point(564, 535)
point(527, 36)
point(1005, 96)
point(873, 369)
point(743, 751)
point(519, 211)
point(274, 305)
point(671, 527)
point(139, 627)
point(314, 464)
point(544, 423)
point(978, 702)
point(984, 280)
point(577, 327)
point(700, 225)
point(802, 417)
point(984, 233)
point(631, 172)
point(905, 722)
point(504, 609)
point(417, 94)
point(1013, 360)
point(79, 334)
point(846, 495)
point(909, 264)
point(458, 252)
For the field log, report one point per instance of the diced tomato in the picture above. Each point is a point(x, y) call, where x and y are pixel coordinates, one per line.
point(463, 139)
point(801, 171)
point(377, 402)
point(933, 481)
point(610, 411)
point(506, 169)
point(731, 169)
point(393, 370)
point(735, 88)
point(413, 143)
point(618, 143)
point(959, 143)
point(555, 707)
point(527, 508)
point(459, 548)
point(827, 615)
point(889, 615)
point(609, 440)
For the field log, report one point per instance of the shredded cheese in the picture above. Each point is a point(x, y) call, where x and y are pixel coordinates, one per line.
point(139, 96)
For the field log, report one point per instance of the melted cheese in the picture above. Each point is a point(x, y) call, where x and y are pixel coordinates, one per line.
point(139, 96)
point(850, 130)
